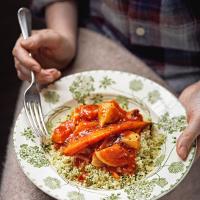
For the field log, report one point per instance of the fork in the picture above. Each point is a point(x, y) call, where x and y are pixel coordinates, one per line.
point(32, 101)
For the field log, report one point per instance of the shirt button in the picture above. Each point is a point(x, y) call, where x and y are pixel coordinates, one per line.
point(140, 31)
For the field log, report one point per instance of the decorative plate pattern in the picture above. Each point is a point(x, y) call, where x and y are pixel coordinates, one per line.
point(165, 110)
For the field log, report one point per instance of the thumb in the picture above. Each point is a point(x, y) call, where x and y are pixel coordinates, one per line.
point(44, 38)
point(31, 43)
point(35, 41)
point(187, 138)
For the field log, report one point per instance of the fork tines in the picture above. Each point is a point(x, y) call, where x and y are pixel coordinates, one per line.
point(35, 117)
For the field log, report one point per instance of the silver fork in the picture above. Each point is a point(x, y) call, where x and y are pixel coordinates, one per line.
point(32, 102)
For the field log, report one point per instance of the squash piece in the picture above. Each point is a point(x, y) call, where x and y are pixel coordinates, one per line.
point(113, 156)
point(96, 162)
point(108, 113)
point(131, 139)
point(76, 144)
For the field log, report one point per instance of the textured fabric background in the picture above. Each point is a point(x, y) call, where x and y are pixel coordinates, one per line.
point(164, 34)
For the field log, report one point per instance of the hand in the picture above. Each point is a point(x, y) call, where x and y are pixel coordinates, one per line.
point(50, 52)
point(190, 98)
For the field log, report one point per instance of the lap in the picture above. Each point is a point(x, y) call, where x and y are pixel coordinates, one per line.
point(103, 55)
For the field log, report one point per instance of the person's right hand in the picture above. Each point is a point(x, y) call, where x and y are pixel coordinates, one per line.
point(50, 51)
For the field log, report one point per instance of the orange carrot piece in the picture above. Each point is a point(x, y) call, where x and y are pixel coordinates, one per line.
point(62, 132)
point(79, 143)
point(115, 175)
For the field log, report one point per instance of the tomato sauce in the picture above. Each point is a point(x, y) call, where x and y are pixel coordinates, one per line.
point(102, 149)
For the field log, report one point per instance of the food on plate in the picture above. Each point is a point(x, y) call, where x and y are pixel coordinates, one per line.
point(105, 131)
point(106, 143)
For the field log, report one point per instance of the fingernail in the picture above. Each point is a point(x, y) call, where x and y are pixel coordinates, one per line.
point(183, 152)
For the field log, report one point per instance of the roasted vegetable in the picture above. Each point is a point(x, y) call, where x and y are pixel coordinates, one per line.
point(96, 162)
point(131, 139)
point(78, 143)
point(109, 112)
point(104, 135)
point(62, 132)
point(85, 112)
point(134, 115)
point(114, 156)
point(84, 127)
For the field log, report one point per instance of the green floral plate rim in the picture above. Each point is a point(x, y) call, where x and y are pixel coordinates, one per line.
point(94, 85)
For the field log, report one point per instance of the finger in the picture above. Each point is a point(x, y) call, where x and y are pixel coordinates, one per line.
point(22, 55)
point(22, 69)
point(25, 72)
point(16, 63)
point(21, 76)
point(45, 38)
point(187, 138)
point(42, 78)
point(48, 76)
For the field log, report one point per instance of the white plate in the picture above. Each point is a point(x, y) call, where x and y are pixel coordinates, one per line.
point(165, 110)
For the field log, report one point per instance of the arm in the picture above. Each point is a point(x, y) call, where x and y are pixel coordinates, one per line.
point(62, 17)
point(52, 48)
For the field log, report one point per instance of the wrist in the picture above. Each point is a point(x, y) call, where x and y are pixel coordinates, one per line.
point(71, 46)
point(62, 18)
point(67, 50)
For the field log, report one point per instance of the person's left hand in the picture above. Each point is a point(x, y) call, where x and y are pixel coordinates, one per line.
point(190, 98)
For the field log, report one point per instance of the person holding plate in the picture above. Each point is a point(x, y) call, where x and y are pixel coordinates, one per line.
point(164, 34)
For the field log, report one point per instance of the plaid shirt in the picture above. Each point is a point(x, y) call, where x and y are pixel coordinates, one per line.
point(164, 33)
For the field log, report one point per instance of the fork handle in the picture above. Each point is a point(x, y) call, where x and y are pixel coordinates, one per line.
point(25, 22)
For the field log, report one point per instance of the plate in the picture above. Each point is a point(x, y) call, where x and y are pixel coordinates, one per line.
point(129, 90)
